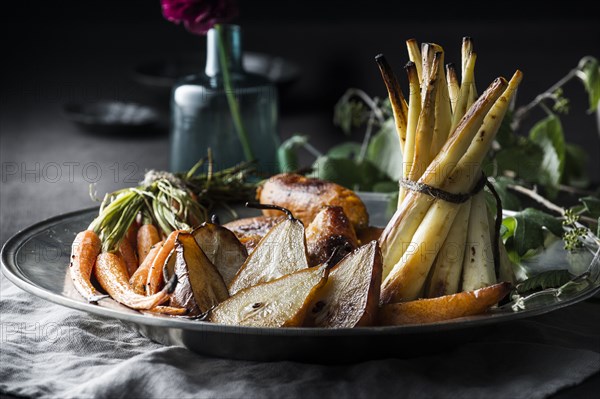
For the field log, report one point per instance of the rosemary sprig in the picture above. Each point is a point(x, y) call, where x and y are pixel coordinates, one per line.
point(172, 201)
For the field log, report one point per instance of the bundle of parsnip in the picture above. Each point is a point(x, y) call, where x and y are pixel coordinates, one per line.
point(442, 240)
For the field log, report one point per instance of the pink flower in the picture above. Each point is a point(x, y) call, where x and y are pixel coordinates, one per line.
point(198, 16)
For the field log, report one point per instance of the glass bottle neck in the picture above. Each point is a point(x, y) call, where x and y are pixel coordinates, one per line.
point(232, 44)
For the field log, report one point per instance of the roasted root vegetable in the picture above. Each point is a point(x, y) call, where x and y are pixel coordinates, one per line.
point(127, 253)
point(200, 286)
point(442, 308)
point(350, 298)
point(147, 236)
point(111, 273)
point(139, 279)
point(330, 234)
point(84, 251)
point(279, 303)
point(155, 274)
point(305, 197)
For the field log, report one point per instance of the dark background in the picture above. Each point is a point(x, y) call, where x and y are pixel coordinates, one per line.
point(82, 51)
point(79, 51)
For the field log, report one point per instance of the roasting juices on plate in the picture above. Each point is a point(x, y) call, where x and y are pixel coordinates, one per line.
point(312, 259)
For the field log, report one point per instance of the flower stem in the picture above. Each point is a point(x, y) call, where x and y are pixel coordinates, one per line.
point(233, 104)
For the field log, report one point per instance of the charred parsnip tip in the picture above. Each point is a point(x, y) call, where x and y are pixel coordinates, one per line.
point(468, 78)
point(399, 107)
point(84, 251)
point(414, 110)
point(453, 85)
point(139, 279)
point(111, 273)
point(147, 236)
point(155, 274)
point(425, 125)
point(414, 54)
point(465, 52)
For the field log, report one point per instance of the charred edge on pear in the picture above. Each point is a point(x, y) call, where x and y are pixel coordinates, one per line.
point(257, 205)
point(171, 284)
point(202, 316)
point(329, 263)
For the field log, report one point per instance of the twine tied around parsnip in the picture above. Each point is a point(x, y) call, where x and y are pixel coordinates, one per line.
point(459, 198)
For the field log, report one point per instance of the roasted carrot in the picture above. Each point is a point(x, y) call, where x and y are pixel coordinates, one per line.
point(84, 251)
point(140, 277)
point(168, 310)
point(147, 236)
point(111, 273)
point(127, 253)
point(132, 232)
point(155, 274)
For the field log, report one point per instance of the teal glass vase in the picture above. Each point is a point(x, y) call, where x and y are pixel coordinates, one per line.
point(201, 116)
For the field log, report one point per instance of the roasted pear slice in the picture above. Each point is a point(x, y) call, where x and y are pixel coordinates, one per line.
point(222, 248)
point(281, 251)
point(330, 232)
point(250, 230)
point(279, 303)
point(200, 287)
point(442, 308)
point(351, 296)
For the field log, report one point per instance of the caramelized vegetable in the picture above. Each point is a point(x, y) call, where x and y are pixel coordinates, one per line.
point(147, 236)
point(140, 277)
point(111, 273)
point(84, 251)
point(251, 230)
point(305, 197)
point(443, 308)
point(128, 255)
point(330, 233)
point(155, 274)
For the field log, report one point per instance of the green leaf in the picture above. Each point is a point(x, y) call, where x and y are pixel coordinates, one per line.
point(575, 160)
point(348, 149)
point(384, 151)
point(385, 187)
point(287, 156)
point(544, 280)
point(591, 80)
point(526, 229)
point(509, 200)
point(348, 114)
point(523, 159)
point(592, 205)
point(510, 225)
point(506, 136)
point(548, 134)
point(347, 172)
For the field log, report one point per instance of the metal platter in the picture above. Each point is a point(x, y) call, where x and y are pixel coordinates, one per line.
point(36, 260)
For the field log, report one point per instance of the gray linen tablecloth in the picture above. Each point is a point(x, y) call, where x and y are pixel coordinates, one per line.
point(52, 351)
